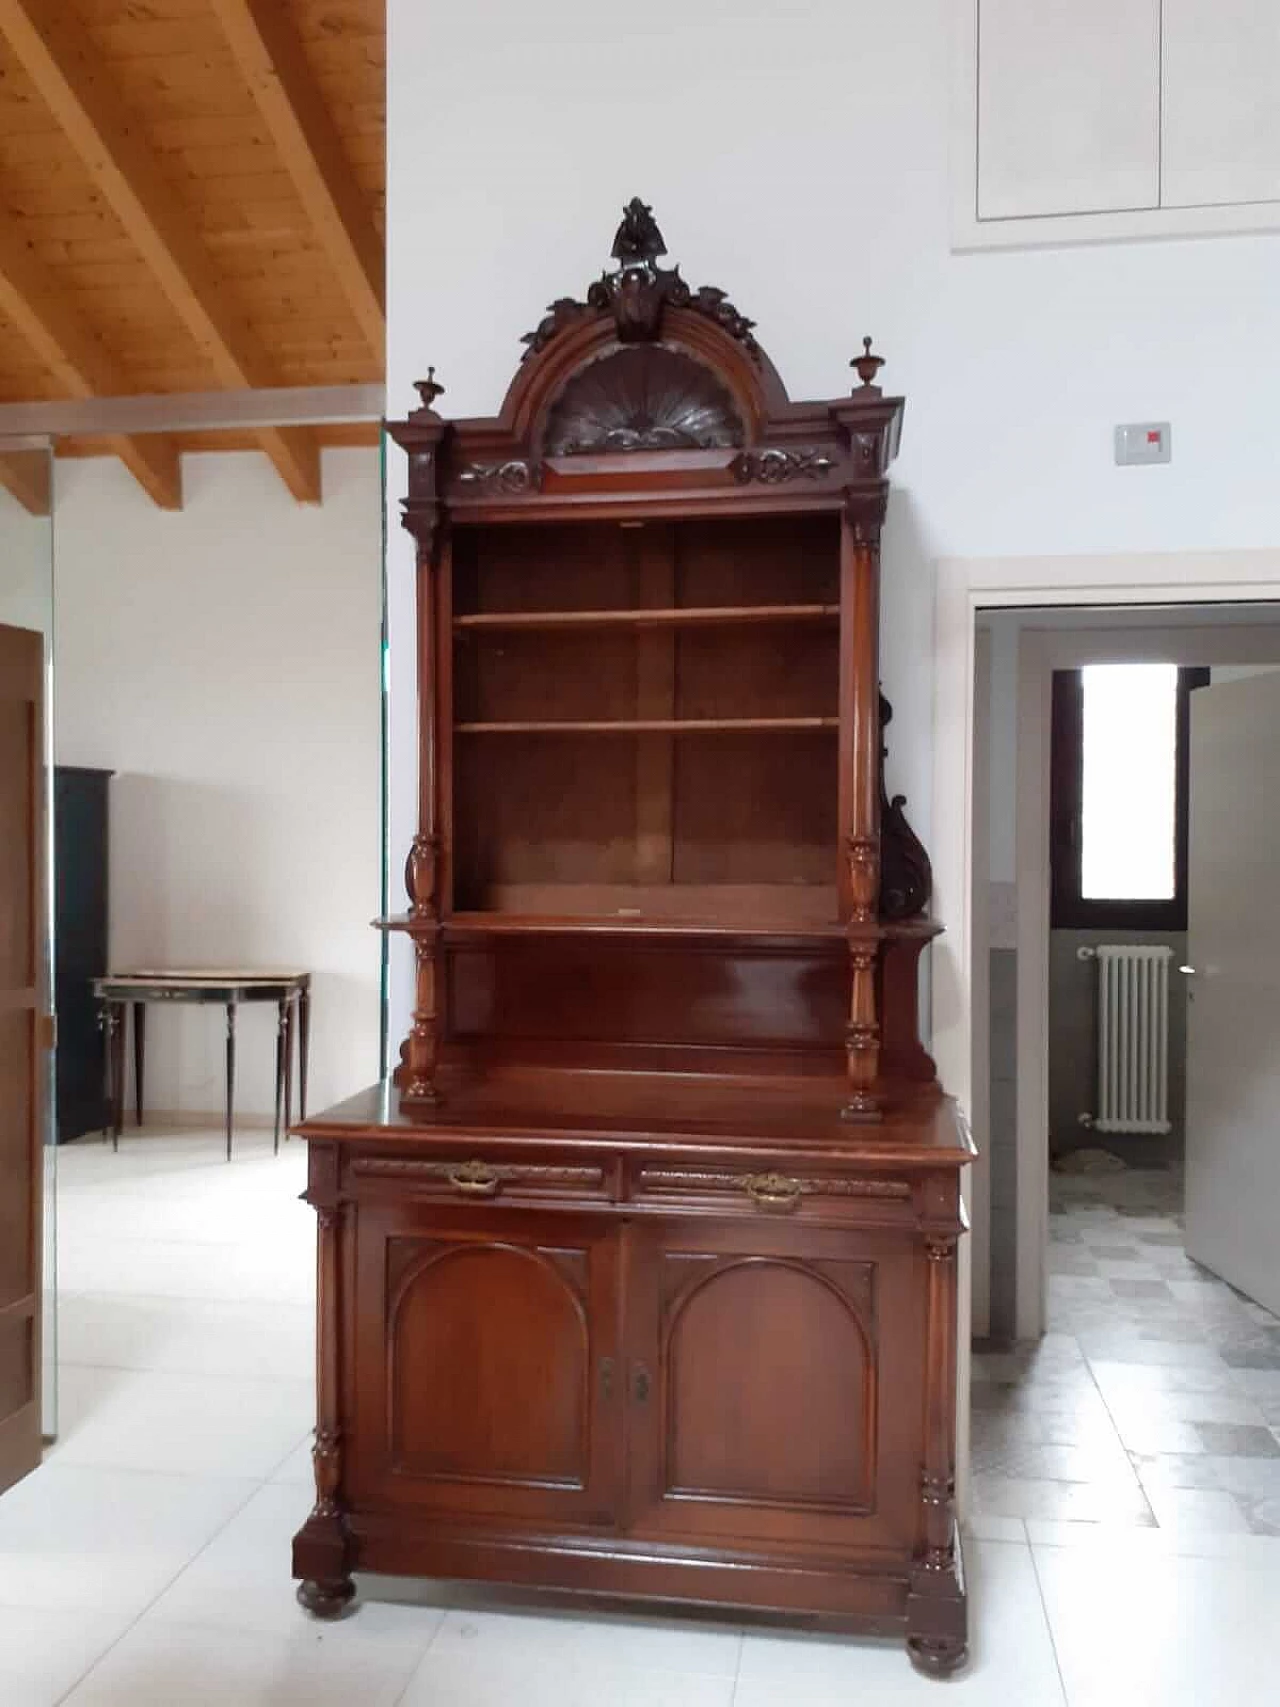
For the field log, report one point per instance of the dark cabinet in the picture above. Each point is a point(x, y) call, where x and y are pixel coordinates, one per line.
point(80, 832)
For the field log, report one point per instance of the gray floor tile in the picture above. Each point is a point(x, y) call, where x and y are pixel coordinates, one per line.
point(1104, 1460)
point(1257, 1478)
point(1253, 1358)
point(1146, 1290)
point(1066, 1502)
point(1238, 1440)
point(1262, 1516)
point(1175, 1470)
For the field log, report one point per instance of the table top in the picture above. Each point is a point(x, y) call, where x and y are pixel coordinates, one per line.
point(197, 979)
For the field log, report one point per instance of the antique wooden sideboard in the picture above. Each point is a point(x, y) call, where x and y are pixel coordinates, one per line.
point(640, 1276)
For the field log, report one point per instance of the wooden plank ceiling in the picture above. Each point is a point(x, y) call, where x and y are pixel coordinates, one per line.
point(191, 199)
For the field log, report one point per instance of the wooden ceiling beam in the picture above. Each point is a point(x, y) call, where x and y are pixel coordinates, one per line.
point(42, 312)
point(59, 59)
point(272, 59)
point(25, 475)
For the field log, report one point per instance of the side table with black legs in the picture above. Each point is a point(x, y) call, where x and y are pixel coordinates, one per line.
point(122, 993)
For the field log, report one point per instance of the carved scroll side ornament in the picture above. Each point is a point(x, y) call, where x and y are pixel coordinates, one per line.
point(775, 467)
point(639, 290)
point(511, 476)
point(906, 877)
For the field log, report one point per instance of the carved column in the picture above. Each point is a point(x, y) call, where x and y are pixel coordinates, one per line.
point(322, 1548)
point(936, 1620)
point(422, 516)
point(422, 1049)
point(938, 1483)
point(862, 847)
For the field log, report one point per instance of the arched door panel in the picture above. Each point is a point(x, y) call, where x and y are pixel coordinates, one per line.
point(493, 1389)
point(773, 1397)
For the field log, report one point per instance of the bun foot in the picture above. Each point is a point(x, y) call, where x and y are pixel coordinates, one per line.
point(937, 1656)
point(327, 1599)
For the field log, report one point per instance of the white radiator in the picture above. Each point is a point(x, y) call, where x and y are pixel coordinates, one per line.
point(1133, 1038)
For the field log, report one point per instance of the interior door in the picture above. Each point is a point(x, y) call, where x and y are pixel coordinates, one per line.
point(1233, 1014)
point(774, 1385)
point(22, 1040)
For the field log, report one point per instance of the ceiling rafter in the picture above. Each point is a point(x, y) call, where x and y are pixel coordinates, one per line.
point(272, 58)
point(42, 312)
point(60, 60)
point(24, 474)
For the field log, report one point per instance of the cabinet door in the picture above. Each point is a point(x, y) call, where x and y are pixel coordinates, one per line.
point(1068, 106)
point(1221, 126)
point(775, 1384)
point(485, 1356)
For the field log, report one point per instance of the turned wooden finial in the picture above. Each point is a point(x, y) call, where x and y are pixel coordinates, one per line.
point(867, 366)
point(429, 389)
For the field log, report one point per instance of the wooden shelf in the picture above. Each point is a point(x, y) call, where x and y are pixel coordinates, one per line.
point(656, 726)
point(701, 616)
point(695, 906)
point(695, 909)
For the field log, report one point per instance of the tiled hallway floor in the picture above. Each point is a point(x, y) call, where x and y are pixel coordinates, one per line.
point(146, 1564)
point(1154, 1399)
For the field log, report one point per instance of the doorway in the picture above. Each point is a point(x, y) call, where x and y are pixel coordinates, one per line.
point(1152, 1396)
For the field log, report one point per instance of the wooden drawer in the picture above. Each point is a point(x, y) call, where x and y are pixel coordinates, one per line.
point(479, 1175)
point(770, 1189)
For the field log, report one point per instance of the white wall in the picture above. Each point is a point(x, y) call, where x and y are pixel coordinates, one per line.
point(800, 160)
point(224, 661)
point(26, 567)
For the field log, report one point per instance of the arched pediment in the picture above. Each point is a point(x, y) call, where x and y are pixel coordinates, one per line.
point(645, 353)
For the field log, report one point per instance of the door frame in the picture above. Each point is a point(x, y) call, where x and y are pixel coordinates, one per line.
point(964, 587)
point(21, 1441)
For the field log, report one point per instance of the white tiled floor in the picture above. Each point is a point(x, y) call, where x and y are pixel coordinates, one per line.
point(147, 1563)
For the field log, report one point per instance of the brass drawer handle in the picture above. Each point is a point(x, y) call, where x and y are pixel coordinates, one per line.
point(773, 1191)
point(475, 1179)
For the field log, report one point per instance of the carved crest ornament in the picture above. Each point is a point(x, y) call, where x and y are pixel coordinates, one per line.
point(639, 290)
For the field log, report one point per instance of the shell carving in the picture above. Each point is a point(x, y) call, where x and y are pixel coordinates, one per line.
point(642, 399)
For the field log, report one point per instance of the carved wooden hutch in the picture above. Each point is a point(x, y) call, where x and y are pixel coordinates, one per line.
point(641, 1277)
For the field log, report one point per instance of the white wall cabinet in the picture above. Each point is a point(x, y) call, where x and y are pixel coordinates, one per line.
point(1088, 120)
point(1221, 131)
point(1068, 106)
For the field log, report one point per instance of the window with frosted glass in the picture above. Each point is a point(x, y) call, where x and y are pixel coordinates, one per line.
point(1118, 796)
point(1129, 796)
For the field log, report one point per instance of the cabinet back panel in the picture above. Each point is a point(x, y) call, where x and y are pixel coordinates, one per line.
point(543, 809)
point(596, 991)
point(764, 560)
point(755, 809)
point(787, 671)
point(569, 566)
point(541, 677)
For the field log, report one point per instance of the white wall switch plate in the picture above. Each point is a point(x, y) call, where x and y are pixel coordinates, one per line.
point(1143, 441)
